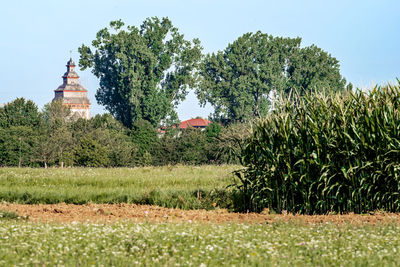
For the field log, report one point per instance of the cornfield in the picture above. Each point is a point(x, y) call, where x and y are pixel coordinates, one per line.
point(325, 152)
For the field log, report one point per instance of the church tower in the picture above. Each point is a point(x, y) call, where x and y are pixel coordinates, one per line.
point(73, 94)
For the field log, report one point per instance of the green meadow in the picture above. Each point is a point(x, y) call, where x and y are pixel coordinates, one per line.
point(125, 243)
point(187, 187)
point(192, 244)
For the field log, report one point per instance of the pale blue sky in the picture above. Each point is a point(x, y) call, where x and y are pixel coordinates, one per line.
point(36, 36)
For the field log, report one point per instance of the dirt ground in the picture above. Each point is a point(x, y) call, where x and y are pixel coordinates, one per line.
point(138, 213)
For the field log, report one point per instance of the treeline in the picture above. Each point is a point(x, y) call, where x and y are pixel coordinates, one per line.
point(144, 72)
point(51, 137)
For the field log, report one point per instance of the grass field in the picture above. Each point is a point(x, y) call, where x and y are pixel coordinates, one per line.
point(190, 238)
point(189, 244)
point(187, 187)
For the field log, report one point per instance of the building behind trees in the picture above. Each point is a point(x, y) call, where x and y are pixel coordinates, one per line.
point(73, 94)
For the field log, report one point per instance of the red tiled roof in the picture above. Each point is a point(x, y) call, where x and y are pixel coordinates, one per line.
point(194, 123)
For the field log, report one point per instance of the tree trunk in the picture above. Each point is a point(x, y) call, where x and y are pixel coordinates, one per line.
point(45, 165)
point(60, 159)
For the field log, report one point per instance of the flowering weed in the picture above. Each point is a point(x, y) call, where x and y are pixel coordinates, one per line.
point(187, 244)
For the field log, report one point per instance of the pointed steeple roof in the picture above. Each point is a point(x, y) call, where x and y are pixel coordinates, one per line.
point(70, 79)
point(70, 62)
point(72, 93)
point(70, 71)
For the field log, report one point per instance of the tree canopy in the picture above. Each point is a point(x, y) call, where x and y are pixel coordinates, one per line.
point(238, 81)
point(19, 112)
point(52, 137)
point(313, 68)
point(144, 72)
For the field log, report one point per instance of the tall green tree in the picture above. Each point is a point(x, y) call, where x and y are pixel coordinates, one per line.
point(44, 148)
point(57, 118)
point(145, 136)
point(144, 72)
point(56, 115)
point(19, 112)
point(311, 68)
point(20, 122)
point(16, 145)
point(239, 80)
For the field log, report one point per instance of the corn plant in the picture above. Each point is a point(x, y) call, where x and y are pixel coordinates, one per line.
point(320, 153)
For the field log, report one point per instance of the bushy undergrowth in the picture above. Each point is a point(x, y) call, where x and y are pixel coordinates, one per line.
point(47, 139)
point(326, 153)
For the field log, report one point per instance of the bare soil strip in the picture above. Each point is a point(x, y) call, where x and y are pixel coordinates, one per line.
point(66, 213)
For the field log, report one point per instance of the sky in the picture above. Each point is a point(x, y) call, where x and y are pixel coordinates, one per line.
point(36, 37)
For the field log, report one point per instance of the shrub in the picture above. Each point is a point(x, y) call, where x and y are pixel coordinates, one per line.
point(144, 135)
point(325, 153)
point(213, 130)
point(190, 147)
point(231, 141)
point(90, 153)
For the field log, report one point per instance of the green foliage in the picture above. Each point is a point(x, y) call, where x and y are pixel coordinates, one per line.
point(144, 135)
point(44, 151)
point(19, 113)
point(231, 142)
point(311, 68)
point(62, 142)
point(90, 153)
point(121, 151)
point(56, 114)
point(213, 130)
point(20, 130)
point(16, 145)
point(112, 135)
point(326, 153)
point(214, 145)
point(20, 123)
point(144, 72)
point(145, 159)
point(164, 152)
point(190, 148)
point(55, 143)
point(238, 81)
point(57, 139)
point(106, 121)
